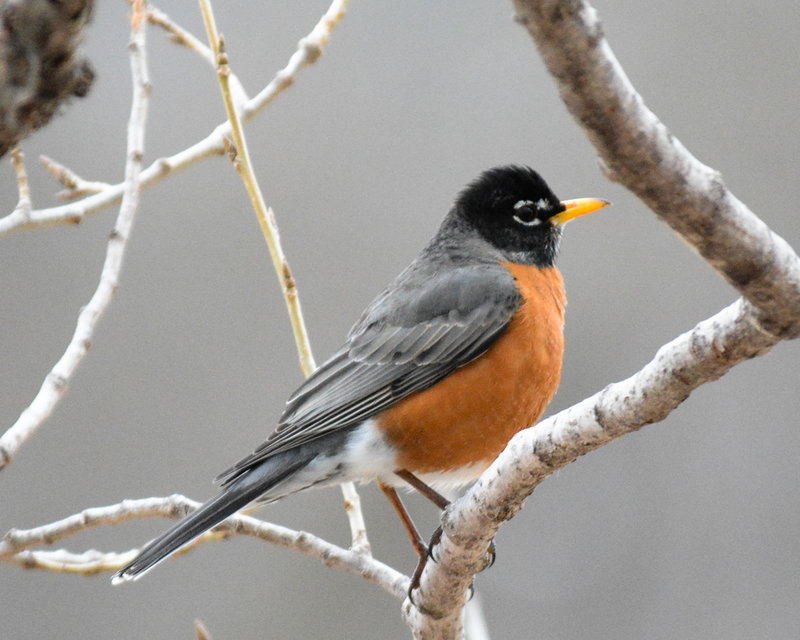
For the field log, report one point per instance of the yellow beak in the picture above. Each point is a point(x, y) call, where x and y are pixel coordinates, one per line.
point(576, 208)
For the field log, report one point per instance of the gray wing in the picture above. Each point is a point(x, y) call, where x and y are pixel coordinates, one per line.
point(408, 339)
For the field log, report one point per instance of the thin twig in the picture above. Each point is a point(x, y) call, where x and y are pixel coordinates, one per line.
point(16, 545)
point(269, 228)
point(87, 563)
point(182, 37)
point(266, 217)
point(74, 185)
point(25, 218)
point(16, 540)
point(179, 35)
point(201, 631)
point(309, 50)
point(24, 203)
point(55, 383)
point(359, 542)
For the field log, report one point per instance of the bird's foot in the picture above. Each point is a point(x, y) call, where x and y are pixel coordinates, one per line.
point(491, 556)
point(422, 562)
point(435, 539)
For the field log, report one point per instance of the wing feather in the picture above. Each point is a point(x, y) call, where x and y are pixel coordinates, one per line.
point(409, 338)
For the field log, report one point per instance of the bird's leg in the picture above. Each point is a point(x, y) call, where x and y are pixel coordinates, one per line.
point(431, 494)
point(416, 539)
point(423, 551)
point(440, 501)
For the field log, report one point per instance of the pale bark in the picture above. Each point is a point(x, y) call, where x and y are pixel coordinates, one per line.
point(638, 151)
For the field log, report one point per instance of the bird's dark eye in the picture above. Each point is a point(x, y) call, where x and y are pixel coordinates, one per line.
point(525, 213)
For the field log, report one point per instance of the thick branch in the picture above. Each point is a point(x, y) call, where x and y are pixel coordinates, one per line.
point(638, 151)
point(701, 355)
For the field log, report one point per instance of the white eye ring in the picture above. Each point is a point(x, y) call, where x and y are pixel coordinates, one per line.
point(522, 204)
point(528, 223)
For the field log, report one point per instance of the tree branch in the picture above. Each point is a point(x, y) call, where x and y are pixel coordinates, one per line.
point(15, 547)
point(266, 218)
point(24, 203)
point(23, 217)
point(74, 185)
point(269, 228)
point(55, 384)
point(701, 355)
point(179, 35)
point(639, 152)
point(309, 50)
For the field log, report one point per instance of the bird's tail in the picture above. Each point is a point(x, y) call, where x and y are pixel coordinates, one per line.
point(234, 497)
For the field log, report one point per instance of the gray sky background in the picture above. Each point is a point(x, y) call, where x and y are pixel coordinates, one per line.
point(687, 529)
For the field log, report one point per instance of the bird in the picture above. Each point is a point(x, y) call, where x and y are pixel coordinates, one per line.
point(458, 353)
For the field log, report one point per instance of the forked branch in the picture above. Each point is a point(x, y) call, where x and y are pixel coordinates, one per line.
point(638, 151)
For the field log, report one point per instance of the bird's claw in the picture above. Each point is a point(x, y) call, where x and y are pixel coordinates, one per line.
point(435, 539)
point(491, 554)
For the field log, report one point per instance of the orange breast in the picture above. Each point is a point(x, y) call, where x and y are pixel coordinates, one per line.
point(469, 417)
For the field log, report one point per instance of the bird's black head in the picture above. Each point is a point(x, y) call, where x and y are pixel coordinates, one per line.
point(512, 208)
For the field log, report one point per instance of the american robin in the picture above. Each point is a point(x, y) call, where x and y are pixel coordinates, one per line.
point(460, 352)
